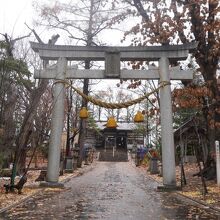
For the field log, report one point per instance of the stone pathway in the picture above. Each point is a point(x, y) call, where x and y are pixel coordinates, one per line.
point(111, 191)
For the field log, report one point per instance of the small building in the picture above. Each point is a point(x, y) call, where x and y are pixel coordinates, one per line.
point(188, 137)
point(124, 136)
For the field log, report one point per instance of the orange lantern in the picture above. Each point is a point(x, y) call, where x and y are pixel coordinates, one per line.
point(139, 117)
point(83, 113)
point(111, 123)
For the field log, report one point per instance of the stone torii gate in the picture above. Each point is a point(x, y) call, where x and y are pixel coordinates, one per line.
point(112, 57)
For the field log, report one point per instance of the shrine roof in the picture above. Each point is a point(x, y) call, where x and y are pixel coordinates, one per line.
point(121, 126)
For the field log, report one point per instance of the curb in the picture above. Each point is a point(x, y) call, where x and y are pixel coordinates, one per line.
point(181, 196)
point(79, 173)
point(200, 203)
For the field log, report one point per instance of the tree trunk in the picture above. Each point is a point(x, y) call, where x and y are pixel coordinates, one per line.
point(83, 122)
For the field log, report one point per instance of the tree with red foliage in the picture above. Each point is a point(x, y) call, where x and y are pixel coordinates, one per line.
point(176, 22)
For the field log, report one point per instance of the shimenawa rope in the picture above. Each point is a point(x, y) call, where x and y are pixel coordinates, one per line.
point(113, 105)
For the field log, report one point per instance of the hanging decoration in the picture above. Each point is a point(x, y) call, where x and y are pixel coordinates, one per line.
point(139, 117)
point(111, 123)
point(83, 113)
point(114, 105)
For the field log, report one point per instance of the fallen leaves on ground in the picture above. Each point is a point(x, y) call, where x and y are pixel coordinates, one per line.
point(194, 189)
point(30, 188)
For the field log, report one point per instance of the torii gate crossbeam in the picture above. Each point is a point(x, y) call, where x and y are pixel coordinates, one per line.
point(112, 57)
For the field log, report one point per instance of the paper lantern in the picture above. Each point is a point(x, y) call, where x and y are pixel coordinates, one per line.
point(111, 123)
point(139, 117)
point(83, 113)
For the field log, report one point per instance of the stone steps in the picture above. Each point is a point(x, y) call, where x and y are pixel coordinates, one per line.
point(119, 155)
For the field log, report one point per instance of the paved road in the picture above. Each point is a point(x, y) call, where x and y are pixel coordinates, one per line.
point(111, 191)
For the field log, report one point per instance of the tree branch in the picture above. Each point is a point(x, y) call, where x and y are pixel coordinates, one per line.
point(35, 34)
point(139, 6)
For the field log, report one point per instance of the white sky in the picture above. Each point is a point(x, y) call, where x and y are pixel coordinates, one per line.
point(13, 15)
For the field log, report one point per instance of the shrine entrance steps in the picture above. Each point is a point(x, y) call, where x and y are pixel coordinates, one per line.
point(119, 155)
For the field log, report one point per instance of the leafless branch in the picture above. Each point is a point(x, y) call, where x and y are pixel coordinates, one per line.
point(35, 34)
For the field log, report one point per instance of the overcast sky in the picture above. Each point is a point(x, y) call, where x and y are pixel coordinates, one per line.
point(13, 15)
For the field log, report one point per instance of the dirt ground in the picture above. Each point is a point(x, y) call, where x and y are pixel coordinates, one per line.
point(30, 188)
point(193, 189)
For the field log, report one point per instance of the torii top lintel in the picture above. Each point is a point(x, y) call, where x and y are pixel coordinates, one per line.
point(148, 53)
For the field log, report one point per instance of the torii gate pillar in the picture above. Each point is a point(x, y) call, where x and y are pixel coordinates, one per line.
point(168, 153)
point(53, 168)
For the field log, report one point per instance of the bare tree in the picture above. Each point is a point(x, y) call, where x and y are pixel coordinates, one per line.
point(82, 21)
